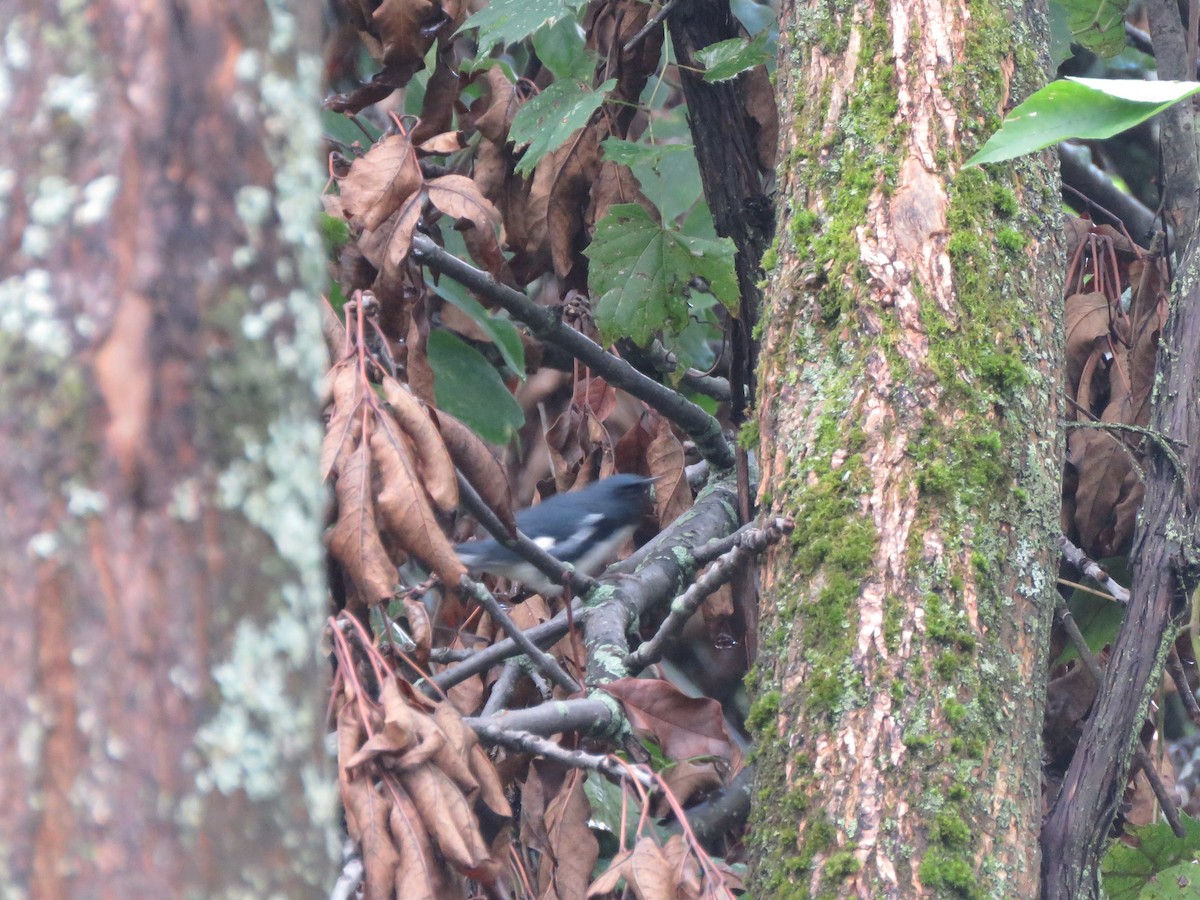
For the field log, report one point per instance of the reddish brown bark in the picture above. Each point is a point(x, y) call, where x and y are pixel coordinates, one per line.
point(159, 515)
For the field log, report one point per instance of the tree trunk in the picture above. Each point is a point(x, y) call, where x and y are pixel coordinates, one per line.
point(160, 529)
point(909, 424)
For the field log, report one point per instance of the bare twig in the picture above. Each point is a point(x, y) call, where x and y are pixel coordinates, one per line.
point(546, 325)
point(748, 541)
point(503, 689)
point(1092, 570)
point(543, 661)
point(524, 742)
point(1140, 757)
point(654, 22)
point(599, 718)
point(556, 571)
point(1186, 696)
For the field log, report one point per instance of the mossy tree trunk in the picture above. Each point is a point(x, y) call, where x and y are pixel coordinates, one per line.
point(160, 553)
point(909, 382)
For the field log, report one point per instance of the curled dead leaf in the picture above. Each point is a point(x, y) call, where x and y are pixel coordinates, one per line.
point(405, 512)
point(355, 540)
point(433, 460)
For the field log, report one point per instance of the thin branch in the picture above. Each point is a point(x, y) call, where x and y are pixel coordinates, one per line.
point(1086, 180)
point(655, 21)
point(1186, 695)
point(1140, 757)
point(524, 742)
point(556, 571)
point(503, 689)
point(1160, 440)
point(1092, 569)
point(598, 718)
point(546, 325)
point(749, 542)
point(543, 661)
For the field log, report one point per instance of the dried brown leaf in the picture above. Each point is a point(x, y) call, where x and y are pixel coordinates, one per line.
point(406, 30)
point(420, 874)
point(460, 198)
point(420, 628)
point(405, 512)
point(685, 727)
point(447, 815)
point(758, 99)
point(575, 166)
point(380, 181)
point(366, 815)
point(688, 779)
point(491, 791)
point(501, 103)
point(665, 461)
point(355, 541)
point(573, 849)
point(615, 184)
point(612, 876)
point(345, 425)
point(1086, 317)
point(437, 109)
point(649, 873)
point(433, 460)
point(446, 142)
point(420, 373)
point(454, 756)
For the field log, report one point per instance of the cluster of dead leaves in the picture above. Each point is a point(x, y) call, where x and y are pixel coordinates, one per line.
point(422, 798)
point(393, 461)
point(1113, 320)
point(397, 34)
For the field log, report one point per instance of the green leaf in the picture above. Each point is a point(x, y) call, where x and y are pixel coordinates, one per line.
point(1060, 35)
point(1098, 25)
point(728, 59)
point(1178, 882)
point(341, 129)
point(633, 153)
point(561, 49)
point(1079, 108)
point(1128, 872)
point(502, 332)
point(335, 233)
point(641, 273)
point(547, 120)
point(465, 385)
point(506, 21)
point(1098, 618)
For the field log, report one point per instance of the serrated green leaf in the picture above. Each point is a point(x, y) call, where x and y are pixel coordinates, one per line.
point(1093, 108)
point(1127, 870)
point(502, 332)
point(506, 21)
point(1098, 25)
point(467, 386)
point(546, 121)
point(641, 273)
point(728, 59)
point(1177, 882)
point(561, 49)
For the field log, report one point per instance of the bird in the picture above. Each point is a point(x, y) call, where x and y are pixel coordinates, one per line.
point(584, 528)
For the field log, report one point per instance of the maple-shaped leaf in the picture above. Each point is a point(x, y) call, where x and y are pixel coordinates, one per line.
point(641, 272)
point(546, 121)
point(506, 21)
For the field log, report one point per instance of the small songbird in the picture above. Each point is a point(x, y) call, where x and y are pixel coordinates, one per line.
point(584, 528)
